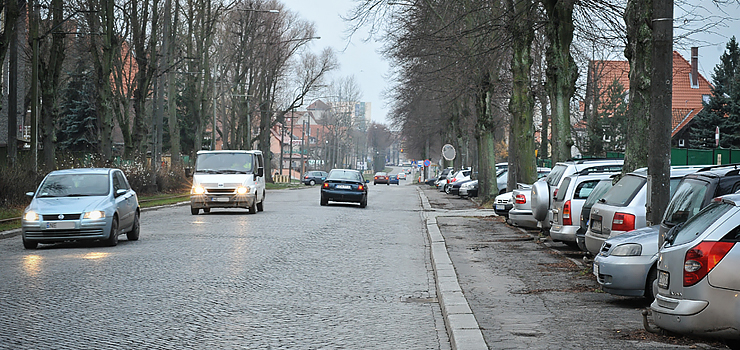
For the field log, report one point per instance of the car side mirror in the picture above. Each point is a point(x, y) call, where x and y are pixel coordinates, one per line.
point(260, 172)
point(30, 194)
point(120, 192)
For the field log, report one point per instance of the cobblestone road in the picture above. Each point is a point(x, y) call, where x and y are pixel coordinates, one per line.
point(296, 276)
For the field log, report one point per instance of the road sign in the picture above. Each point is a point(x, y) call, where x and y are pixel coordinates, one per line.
point(427, 162)
point(448, 152)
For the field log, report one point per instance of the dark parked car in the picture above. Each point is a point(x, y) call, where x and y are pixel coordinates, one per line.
point(344, 185)
point(380, 178)
point(314, 177)
point(81, 204)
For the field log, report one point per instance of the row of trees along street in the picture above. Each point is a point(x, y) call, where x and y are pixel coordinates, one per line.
point(468, 70)
point(160, 71)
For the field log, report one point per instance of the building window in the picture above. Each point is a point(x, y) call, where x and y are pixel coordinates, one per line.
point(705, 98)
point(681, 143)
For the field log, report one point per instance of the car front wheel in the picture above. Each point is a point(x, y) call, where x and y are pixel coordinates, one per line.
point(112, 240)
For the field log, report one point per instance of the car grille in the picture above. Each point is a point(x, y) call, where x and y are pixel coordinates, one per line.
point(220, 190)
point(63, 233)
point(55, 217)
point(502, 201)
point(605, 249)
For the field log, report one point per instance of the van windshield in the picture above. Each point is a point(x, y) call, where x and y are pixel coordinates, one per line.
point(224, 163)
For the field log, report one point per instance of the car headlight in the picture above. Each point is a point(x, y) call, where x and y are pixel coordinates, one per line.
point(242, 190)
point(629, 249)
point(94, 215)
point(31, 216)
point(197, 189)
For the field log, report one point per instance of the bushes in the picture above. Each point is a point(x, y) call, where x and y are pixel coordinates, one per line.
point(15, 181)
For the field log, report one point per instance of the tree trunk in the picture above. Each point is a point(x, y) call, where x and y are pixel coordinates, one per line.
point(487, 187)
point(659, 157)
point(639, 53)
point(562, 73)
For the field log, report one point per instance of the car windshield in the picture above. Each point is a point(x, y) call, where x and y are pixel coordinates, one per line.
point(224, 163)
point(686, 201)
point(598, 192)
point(75, 185)
point(623, 192)
point(700, 222)
point(344, 175)
point(553, 179)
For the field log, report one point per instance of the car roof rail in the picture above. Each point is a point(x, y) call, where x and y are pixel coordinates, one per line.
point(585, 160)
point(711, 167)
point(601, 169)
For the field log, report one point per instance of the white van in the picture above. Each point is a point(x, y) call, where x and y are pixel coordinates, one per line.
point(228, 179)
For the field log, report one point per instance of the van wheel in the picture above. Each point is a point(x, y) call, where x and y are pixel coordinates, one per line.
point(29, 245)
point(253, 209)
point(194, 211)
point(260, 205)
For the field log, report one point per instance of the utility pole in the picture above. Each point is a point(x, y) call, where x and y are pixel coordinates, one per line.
point(661, 95)
point(290, 153)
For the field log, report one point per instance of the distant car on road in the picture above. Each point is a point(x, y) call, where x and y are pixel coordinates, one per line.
point(311, 178)
point(380, 178)
point(344, 185)
point(81, 204)
point(393, 179)
point(402, 176)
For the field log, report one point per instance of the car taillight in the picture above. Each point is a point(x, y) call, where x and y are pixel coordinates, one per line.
point(361, 187)
point(520, 199)
point(566, 214)
point(305, 177)
point(453, 180)
point(325, 185)
point(623, 222)
point(703, 258)
point(555, 194)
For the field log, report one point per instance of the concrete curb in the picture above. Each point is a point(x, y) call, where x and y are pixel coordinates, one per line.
point(462, 327)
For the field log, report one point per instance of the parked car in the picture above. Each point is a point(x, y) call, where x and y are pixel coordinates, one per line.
point(454, 189)
point(568, 202)
point(503, 203)
point(620, 274)
point(452, 177)
point(502, 178)
point(442, 177)
point(543, 191)
point(380, 178)
point(311, 178)
point(469, 189)
point(521, 213)
point(596, 194)
point(696, 190)
point(81, 204)
point(344, 185)
point(697, 274)
point(623, 207)
point(393, 179)
point(626, 263)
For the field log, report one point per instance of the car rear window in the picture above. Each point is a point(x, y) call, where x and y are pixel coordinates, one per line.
point(700, 222)
point(686, 201)
point(622, 193)
point(553, 179)
point(598, 192)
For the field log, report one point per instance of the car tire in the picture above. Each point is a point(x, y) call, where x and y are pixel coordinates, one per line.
point(29, 244)
point(448, 190)
point(112, 239)
point(311, 183)
point(651, 277)
point(206, 210)
point(133, 235)
point(363, 202)
point(195, 211)
point(253, 209)
point(324, 201)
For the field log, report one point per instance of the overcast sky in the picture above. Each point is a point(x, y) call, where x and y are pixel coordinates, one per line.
point(363, 61)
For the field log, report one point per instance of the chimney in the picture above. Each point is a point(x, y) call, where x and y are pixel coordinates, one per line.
point(695, 67)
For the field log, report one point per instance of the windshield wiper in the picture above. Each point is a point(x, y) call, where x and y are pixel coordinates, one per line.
point(208, 171)
point(232, 171)
point(79, 195)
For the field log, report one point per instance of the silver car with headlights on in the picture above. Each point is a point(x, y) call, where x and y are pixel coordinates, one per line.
point(81, 204)
point(698, 284)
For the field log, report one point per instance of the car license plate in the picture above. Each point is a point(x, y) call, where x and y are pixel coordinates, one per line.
point(596, 270)
point(219, 199)
point(60, 225)
point(596, 226)
point(344, 187)
point(500, 207)
point(663, 279)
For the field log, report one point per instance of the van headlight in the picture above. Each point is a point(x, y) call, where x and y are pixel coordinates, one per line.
point(198, 189)
point(242, 190)
point(31, 216)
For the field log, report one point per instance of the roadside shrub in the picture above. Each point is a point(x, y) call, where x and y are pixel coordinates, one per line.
point(15, 181)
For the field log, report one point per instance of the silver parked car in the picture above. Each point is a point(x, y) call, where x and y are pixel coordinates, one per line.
point(626, 263)
point(596, 194)
point(698, 284)
point(623, 207)
point(567, 204)
point(81, 204)
point(521, 213)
